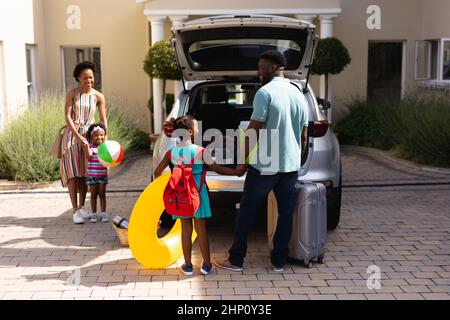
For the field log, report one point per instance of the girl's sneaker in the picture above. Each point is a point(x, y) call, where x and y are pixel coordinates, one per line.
point(93, 218)
point(206, 268)
point(104, 217)
point(187, 269)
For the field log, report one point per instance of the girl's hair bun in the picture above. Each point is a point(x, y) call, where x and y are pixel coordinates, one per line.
point(186, 122)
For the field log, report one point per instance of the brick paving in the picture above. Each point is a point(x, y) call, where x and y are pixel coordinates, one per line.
point(402, 229)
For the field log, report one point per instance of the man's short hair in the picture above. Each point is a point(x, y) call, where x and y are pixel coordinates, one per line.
point(276, 57)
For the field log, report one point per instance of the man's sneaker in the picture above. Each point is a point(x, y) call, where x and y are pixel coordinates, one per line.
point(206, 268)
point(83, 213)
point(226, 264)
point(77, 218)
point(104, 217)
point(277, 269)
point(187, 269)
point(93, 217)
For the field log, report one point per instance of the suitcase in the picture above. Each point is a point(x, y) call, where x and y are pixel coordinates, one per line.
point(309, 228)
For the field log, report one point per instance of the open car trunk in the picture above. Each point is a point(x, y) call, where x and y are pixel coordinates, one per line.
point(229, 47)
point(219, 107)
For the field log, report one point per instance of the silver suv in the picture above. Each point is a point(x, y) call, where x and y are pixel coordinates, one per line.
point(218, 58)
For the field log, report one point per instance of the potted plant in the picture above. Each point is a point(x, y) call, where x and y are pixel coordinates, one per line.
point(331, 57)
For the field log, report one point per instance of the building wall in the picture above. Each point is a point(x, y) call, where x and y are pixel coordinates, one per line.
point(2, 88)
point(40, 46)
point(401, 20)
point(16, 30)
point(120, 29)
point(435, 19)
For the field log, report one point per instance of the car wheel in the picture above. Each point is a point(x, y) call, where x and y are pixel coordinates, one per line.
point(334, 207)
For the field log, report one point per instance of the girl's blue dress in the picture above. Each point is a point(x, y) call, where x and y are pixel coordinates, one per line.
point(186, 154)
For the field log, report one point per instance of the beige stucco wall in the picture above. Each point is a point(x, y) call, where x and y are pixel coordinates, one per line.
point(40, 47)
point(400, 21)
point(17, 21)
point(120, 29)
point(435, 19)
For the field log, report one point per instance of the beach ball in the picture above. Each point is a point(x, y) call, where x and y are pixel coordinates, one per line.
point(110, 154)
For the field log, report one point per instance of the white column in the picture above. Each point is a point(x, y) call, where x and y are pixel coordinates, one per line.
point(176, 21)
point(157, 24)
point(307, 18)
point(326, 25)
point(326, 31)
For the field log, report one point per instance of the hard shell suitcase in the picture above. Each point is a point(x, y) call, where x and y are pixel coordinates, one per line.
point(309, 228)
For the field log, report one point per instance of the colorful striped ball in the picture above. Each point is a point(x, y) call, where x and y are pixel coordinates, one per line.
point(110, 154)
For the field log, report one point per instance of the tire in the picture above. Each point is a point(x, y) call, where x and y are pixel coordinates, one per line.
point(334, 206)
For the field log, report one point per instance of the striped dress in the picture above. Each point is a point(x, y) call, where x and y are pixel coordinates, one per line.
point(95, 168)
point(74, 160)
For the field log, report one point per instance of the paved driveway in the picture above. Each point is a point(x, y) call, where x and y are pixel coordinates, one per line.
point(395, 220)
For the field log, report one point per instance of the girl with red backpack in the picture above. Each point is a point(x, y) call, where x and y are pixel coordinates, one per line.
point(186, 195)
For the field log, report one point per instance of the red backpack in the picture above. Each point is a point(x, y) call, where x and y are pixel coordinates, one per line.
point(181, 196)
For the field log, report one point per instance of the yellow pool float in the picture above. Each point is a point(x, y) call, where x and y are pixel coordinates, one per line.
point(149, 250)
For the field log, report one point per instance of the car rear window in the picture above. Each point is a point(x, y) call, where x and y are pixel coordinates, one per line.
point(241, 54)
point(237, 49)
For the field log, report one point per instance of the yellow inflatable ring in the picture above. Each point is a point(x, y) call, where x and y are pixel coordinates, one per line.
point(149, 250)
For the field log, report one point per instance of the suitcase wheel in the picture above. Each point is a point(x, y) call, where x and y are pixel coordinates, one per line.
point(321, 260)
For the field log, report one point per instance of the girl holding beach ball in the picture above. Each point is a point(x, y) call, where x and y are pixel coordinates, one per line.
point(101, 155)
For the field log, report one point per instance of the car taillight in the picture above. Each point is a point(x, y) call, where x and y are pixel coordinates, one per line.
point(320, 128)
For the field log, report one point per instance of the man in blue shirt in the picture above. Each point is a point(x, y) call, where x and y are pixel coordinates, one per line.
point(280, 108)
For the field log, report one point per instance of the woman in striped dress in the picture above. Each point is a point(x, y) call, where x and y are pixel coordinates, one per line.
point(81, 105)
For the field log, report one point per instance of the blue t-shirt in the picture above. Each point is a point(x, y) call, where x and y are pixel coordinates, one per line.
point(284, 110)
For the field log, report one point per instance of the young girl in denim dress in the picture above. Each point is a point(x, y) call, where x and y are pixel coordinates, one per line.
point(185, 152)
point(97, 178)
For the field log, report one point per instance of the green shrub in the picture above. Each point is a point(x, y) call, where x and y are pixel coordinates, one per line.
point(122, 130)
point(366, 124)
point(414, 128)
point(25, 142)
point(27, 139)
point(426, 130)
point(4, 169)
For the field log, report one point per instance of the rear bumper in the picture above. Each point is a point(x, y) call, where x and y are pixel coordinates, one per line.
point(217, 183)
point(226, 196)
point(227, 184)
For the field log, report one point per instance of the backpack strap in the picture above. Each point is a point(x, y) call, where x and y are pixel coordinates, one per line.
point(197, 156)
point(202, 183)
point(179, 162)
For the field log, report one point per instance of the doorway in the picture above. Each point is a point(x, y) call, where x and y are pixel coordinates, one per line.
point(385, 70)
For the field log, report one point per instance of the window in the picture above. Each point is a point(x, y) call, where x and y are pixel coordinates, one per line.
point(423, 60)
point(80, 55)
point(30, 52)
point(446, 60)
point(240, 54)
point(71, 56)
point(433, 60)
